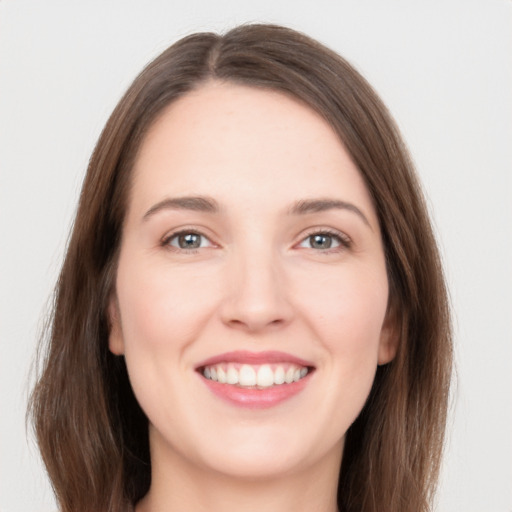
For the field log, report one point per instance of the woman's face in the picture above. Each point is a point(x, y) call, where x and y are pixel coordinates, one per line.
point(251, 291)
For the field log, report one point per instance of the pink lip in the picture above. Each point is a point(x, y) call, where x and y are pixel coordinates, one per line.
point(253, 398)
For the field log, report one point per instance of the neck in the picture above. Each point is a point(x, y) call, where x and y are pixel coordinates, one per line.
point(198, 490)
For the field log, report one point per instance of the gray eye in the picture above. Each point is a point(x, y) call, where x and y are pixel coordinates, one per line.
point(320, 241)
point(188, 240)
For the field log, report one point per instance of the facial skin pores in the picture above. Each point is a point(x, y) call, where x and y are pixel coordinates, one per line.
point(251, 291)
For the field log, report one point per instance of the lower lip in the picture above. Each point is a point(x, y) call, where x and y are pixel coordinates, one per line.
point(253, 398)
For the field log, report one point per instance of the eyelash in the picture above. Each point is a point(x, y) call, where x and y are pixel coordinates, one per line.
point(166, 241)
point(343, 240)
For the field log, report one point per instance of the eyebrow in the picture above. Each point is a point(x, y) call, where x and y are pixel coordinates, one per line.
point(307, 206)
point(194, 203)
point(209, 205)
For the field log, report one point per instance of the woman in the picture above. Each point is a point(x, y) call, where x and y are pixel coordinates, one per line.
point(252, 311)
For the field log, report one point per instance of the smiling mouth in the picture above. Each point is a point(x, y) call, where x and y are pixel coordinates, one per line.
point(255, 380)
point(249, 376)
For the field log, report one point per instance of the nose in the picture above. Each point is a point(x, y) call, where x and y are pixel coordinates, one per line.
point(256, 294)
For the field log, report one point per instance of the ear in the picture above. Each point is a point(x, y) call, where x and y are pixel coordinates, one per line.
point(389, 335)
point(115, 337)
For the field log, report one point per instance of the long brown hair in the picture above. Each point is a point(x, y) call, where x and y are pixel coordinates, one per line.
point(93, 435)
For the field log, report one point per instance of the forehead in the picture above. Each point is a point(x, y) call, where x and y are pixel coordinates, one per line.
point(253, 142)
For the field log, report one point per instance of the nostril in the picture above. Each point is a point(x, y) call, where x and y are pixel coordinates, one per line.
point(255, 323)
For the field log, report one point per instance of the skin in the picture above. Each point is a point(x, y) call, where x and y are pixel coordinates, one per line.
point(255, 283)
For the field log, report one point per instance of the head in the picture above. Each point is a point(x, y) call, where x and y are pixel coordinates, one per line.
point(87, 417)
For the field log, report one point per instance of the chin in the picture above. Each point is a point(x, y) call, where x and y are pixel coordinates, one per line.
point(265, 453)
point(257, 465)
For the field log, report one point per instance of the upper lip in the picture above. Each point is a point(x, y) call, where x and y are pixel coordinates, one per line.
point(254, 358)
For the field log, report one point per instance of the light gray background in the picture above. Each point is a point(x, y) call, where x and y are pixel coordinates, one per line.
point(443, 67)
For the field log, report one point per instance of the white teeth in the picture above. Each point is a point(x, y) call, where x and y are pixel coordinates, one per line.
point(262, 376)
point(265, 376)
point(221, 375)
point(279, 375)
point(232, 376)
point(247, 376)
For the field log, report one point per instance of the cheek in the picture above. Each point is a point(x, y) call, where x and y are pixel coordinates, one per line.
point(347, 310)
point(162, 309)
point(344, 311)
point(162, 314)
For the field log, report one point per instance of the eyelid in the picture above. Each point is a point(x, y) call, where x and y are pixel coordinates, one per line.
point(185, 230)
point(344, 239)
point(345, 242)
